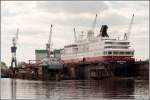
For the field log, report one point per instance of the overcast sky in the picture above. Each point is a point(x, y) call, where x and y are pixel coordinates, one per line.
point(34, 18)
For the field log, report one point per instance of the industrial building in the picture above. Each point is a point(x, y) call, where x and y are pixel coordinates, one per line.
point(40, 54)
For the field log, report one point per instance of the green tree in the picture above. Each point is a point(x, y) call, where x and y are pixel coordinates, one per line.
point(3, 66)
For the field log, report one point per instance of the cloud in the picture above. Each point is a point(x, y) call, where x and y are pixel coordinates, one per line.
point(73, 6)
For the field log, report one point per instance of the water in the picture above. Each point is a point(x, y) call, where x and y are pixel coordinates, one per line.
point(75, 89)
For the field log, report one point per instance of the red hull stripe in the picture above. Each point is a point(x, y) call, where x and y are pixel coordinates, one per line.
point(101, 58)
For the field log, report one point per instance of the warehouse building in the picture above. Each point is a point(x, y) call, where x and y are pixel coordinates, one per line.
point(41, 54)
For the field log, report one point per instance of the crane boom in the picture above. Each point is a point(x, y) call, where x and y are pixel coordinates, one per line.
point(50, 35)
point(130, 27)
point(75, 36)
point(14, 40)
point(94, 23)
point(90, 33)
point(17, 33)
point(48, 45)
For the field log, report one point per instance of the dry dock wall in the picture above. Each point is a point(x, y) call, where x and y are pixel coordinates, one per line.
point(137, 70)
point(141, 69)
point(89, 71)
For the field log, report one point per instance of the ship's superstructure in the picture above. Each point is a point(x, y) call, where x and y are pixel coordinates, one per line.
point(99, 48)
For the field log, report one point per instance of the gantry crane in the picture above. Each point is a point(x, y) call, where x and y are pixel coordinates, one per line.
point(14, 48)
point(127, 35)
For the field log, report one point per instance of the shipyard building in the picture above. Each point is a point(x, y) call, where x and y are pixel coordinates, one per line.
point(41, 54)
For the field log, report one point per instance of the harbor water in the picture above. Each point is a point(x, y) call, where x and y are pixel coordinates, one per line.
point(107, 89)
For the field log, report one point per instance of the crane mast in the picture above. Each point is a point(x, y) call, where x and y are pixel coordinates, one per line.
point(14, 40)
point(17, 33)
point(90, 33)
point(48, 45)
point(14, 48)
point(75, 35)
point(127, 35)
point(94, 23)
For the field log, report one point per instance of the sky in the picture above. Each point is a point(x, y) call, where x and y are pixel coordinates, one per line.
point(33, 18)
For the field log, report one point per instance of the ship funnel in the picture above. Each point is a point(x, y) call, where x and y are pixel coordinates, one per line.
point(103, 31)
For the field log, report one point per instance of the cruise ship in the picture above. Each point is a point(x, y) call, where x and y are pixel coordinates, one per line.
point(100, 48)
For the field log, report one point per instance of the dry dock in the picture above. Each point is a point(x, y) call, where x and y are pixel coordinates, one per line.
point(81, 71)
point(141, 70)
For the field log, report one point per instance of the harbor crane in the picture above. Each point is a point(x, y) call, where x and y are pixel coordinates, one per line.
point(94, 23)
point(90, 33)
point(48, 45)
point(75, 35)
point(127, 35)
point(14, 48)
point(50, 61)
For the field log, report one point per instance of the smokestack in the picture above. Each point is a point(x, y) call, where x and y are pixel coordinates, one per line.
point(103, 31)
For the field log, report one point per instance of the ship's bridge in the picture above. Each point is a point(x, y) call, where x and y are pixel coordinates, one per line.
point(118, 48)
point(119, 44)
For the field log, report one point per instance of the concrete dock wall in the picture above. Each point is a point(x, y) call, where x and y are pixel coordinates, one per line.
point(98, 70)
point(141, 70)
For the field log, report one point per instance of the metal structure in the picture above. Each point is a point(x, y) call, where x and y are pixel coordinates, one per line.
point(127, 35)
point(52, 67)
point(48, 45)
point(81, 35)
point(90, 33)
point(94, 23)
point(75, 35)
point(13, 49)
point(103, 31)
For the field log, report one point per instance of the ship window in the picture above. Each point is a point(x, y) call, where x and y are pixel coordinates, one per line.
point(121, 52)
point(108, 42)
point(127, 52)
point(109, 52)
point(123, 43)
point(104, 52)
point(108, 47)
point(115, 52)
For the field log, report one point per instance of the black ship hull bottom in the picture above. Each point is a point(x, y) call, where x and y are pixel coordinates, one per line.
point(123, 69)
